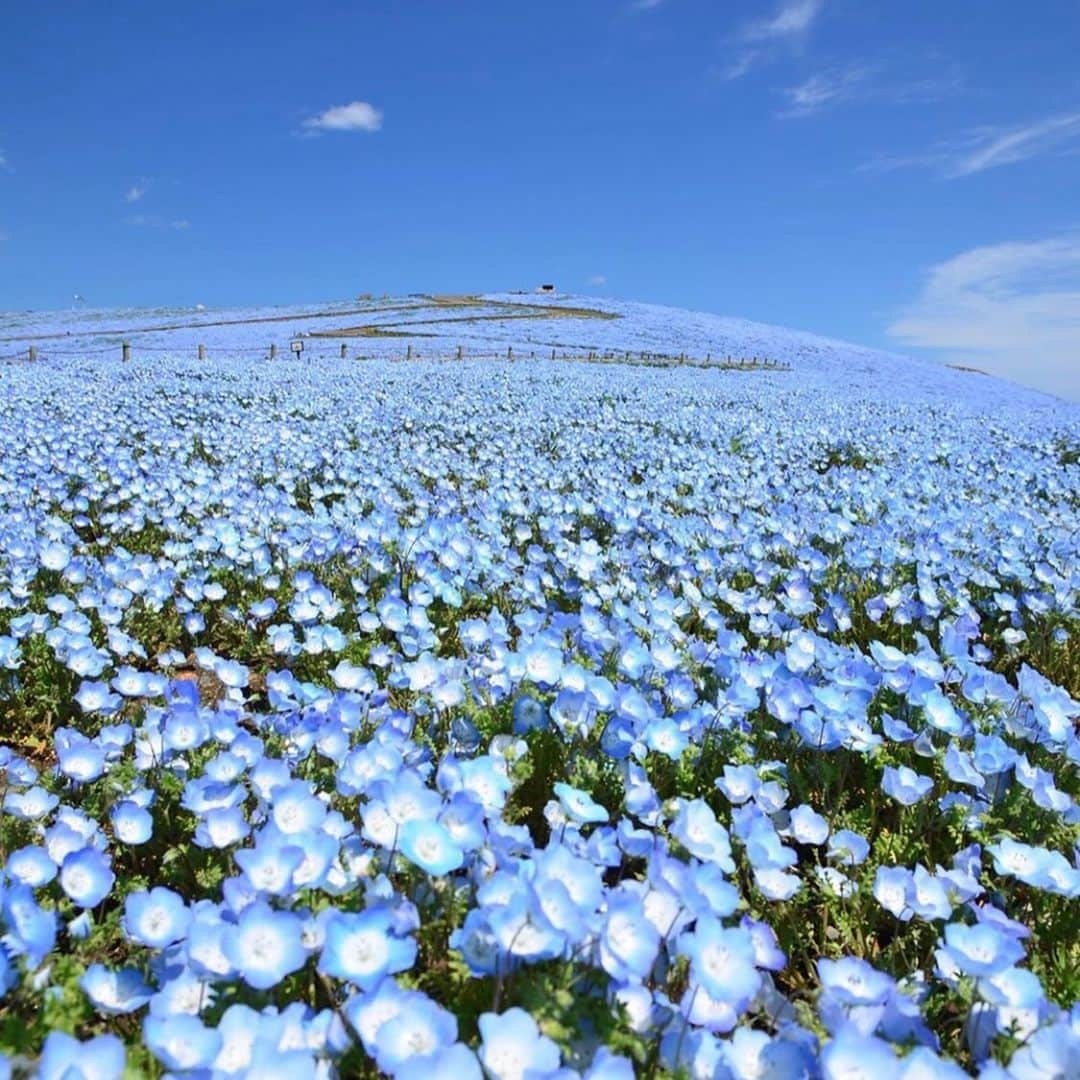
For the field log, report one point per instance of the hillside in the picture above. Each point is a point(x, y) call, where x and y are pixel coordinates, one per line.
point(597, 716)
point(529, 324)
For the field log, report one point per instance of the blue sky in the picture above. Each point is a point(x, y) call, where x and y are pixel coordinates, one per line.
point(901, 174)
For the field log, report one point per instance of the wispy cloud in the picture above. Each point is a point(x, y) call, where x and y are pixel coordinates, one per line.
point(863, 83)
point(135, 192)
point(597, 280)
point(1011, 308)
point(989, 147)
point(825, 89)
point(758, 40)
point(645, 5)
point(155, 221)
point(4, 166)
point(792, 19)
point(356, 116)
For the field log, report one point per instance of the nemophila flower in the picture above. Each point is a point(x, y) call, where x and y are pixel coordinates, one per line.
point(928, 897)
point(905, 785)
point(265, 945)
point(86, 877)
point(628, 941)
point(851, 1056)
point(543, 664)
point(981, 949)
point(31, 929)
point(181, 1042)
point(63, 1057)
point(848, 847)
point(132, 824)
point(221, 828)
point(362, 948)
point(579, 805)
point(893, 888)
point(295, 809)
point(807, 826)
point(696, 828)
point(852, 981)
point(31, 804)
point(418, 1031)
point(31, 866)
point(722, 961)
point(114, 992)
point(430, 846)
point(512, 1047)
point(1030, 864)
point(156, 918)
point(270, 865)
point(529, 715)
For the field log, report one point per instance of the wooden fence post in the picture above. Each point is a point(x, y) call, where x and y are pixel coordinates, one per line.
point(202, 352)
point(125, 352)
point(460, 352)
point(273, 352)
point(344, 350)
point(408, 353)
point(33, 352)
point(509, 352)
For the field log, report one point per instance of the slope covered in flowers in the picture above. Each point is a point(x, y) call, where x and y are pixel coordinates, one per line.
point(538, 718)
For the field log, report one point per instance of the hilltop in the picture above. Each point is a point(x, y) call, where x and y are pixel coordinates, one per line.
point(486, 326)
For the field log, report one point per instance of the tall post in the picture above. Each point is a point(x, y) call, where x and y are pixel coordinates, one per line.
point(273, 352)
point(125, 352)
point(509, 352)
point(202, 352)
point(33, 352)
point(408, 353)
point(460, 351)
point(344, 350)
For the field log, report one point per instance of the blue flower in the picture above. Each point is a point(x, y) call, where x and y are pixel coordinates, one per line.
point(430, 846)
point(579, 805)
point(628, 941)
point(722, 960)
point(419, 1030)
point(64, 1057)
point(455, 1062)
point(512, 1047)
point(114, 992)
point(181, 1042)
point(156, 918)
point(362, 948)
point(86, 877)
point(132, 824)
point(981, 949)
point(852, 981)
point(265, 946)
point(905, 785)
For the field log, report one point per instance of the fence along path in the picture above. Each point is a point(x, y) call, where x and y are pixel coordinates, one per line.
point(126, 350)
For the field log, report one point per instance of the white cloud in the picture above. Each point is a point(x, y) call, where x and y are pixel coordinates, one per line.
point(989, 147)
point(740, 65)
point(356, 116)
point(1012, 309)
point(597, 280)
point(759, 39)
point(863, 83)
point(793, 19)
point(645, 5)
point(4, 166)
point(824, 89)
point(154, 221)
point(135, 192)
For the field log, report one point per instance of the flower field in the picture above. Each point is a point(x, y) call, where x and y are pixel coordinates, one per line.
point(534, 719)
